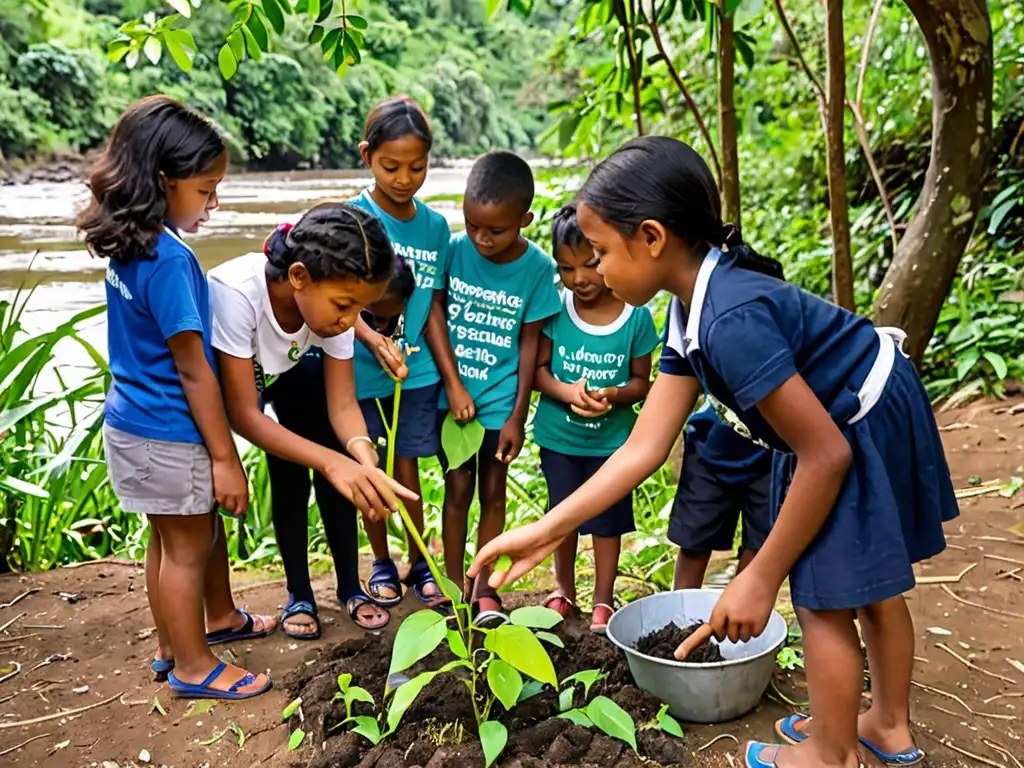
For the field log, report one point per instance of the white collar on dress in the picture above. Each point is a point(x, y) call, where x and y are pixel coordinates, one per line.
point(691, 341)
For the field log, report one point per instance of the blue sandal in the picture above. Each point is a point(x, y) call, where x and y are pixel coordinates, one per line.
point(203, 691)
point(384, 574)
point(419, 576)
point(753, 754)
point(354, 603)
point(300, 608)
point(786, 729)
point(245, 632)
point(161, 668)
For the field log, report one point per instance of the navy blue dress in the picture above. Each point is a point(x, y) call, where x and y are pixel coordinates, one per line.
point(748, 334)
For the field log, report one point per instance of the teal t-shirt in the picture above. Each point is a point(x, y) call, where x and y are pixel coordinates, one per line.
point(423, 243)
point(488, 304)
point(601, 354)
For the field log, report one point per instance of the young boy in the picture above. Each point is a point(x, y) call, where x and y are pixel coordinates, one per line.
point(501, 289)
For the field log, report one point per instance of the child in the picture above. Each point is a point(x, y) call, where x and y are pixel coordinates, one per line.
point(396, 148)
point(306, 290)
point(501, 289)
point(594, 364)
point(169, 450)
point(866, 484)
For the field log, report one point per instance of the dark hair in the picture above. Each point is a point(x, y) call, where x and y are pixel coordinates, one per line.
point(501, 177)
point(332, 240)
point(565, 230)
point(155, 136)
point(403, 281)
point(659, 178)
point(394, 118)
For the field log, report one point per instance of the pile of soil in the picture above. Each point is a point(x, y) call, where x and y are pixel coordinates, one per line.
point(662, 644)
point(438, 730)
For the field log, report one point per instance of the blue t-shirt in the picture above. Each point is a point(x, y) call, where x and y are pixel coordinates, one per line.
point(423, 243)
point(488, 304)
point(148, 302)
point(749, 333)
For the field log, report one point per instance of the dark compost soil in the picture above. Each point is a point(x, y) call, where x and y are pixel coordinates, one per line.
point(662, 644)
point(439, 729)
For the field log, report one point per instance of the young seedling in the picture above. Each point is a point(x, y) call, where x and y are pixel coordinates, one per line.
point(349, 694)
point(607, 716)
point(664, 722)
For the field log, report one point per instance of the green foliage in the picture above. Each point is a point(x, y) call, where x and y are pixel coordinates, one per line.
point(23, 121)
point(460, 442)
point(493, 738)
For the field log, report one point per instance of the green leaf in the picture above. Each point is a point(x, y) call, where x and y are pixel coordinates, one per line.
point(177, 51)
point(181, 6)
point(493, 738)
point(492, 8)
point(21, 488)
point(567, 129)
point(368, 728)
point(536, 617)
point(251, 44)
point(729, 6)
point(669, 724)
point(999, 215)
point(255, 25)
point(966, 362)
point(997, 362)
point(613, 720)
point(326, 6)
point(550, 639)
point(316, 34)
point(197, 708)
point(565, 698)
point(519, 647)
point(158, 707)
point(531, 688)
point(313, 8)
point(297, 737)
point(457, 644)
point(407, 692)
point(118, 49)
point(153, 49)
point(577, 716)
point(348, 45)
point(291, 709)
point(355, 693)
point(460, 443)
point(275, 15)
point(418, 636)
point(226, 62)
point(586, 678)
point(237, 43)
point(505, 681)
point(239, 734)
point(356, 21)
point(330, 42)
point(344, 681)
point(451, 590)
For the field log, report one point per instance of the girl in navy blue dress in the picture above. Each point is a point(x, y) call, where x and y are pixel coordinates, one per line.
point(865, 483)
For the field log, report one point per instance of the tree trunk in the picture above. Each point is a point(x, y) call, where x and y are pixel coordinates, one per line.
point(730, 181)
point(958, 34)
point(839, 214)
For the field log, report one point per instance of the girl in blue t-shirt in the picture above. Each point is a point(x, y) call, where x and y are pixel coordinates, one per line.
point(170, 455)
point(859, 462)
point(396, 148)
point(593, 365)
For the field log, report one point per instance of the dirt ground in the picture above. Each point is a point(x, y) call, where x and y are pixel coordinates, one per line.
point(968, 695)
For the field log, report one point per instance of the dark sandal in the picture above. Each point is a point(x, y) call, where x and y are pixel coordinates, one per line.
point(300, 608)
point(419, 576)
point(489, 619)
point(352, 606)
point(247, 631)
point(384, 574)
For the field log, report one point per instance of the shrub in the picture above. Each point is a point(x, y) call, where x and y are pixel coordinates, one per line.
point(24, 122)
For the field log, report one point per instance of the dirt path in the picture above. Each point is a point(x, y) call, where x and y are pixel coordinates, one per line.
point(104, 636)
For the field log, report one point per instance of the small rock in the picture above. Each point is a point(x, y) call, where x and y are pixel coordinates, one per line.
point(110, 764)
point(80, 689)
point(939, 631)
point(144, 756)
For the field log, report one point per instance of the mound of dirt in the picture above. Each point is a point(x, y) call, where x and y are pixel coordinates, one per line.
point(439, 730)
point(662, 644)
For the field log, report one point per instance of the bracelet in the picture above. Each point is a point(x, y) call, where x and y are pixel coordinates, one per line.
point(357, 439)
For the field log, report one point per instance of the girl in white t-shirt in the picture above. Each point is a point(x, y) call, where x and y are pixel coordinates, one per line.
point(269, 309)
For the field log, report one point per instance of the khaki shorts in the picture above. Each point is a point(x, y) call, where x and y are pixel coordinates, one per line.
point(155, 477)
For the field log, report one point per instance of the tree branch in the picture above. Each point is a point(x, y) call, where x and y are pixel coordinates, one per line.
point(634, 64)
point(652, 24)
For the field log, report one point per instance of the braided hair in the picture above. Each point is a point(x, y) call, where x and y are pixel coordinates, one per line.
point(565, 229)
point(333, 240)
point(665, 180)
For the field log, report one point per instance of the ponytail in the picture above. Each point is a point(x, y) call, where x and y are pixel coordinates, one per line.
point(731, 240)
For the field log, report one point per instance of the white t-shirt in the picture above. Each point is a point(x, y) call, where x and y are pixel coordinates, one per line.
point(244, 324)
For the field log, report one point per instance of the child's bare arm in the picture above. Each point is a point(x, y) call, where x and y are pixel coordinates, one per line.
point(343, 410)
point(639, 383)
point(459, 402)
point(207, 406)
point(529, 343)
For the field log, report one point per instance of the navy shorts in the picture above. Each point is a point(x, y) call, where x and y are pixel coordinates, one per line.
point(706, 510)
point(418, 436)
point(565, 474)
point(489, 447)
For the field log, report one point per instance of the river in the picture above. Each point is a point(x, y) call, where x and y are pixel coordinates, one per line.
point(39, 247)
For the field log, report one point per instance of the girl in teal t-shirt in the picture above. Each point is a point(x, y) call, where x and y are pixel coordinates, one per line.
point(396, 148)
point(594, 364)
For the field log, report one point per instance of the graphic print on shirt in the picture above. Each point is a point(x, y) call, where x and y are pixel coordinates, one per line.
point(478, 318)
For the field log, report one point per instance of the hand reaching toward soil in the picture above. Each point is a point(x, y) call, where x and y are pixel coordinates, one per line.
point(743, 610)
point(528, 546)
point(370, 489)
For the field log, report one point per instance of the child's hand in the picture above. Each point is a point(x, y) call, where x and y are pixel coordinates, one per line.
point(365, 453)
point(584, 403)
point(374, 494)
point(231, 487)
point(389, 355)
point(460, 403)
point(510, 440)
point(527, 545)
point(743, 610)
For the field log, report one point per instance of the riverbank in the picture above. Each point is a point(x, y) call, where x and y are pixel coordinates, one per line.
point(89, 629)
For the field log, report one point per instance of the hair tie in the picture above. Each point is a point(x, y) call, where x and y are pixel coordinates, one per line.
point(730, 236)
point(284, 228)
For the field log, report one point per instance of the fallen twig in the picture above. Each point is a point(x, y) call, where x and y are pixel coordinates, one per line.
point(1001, 540)
point(20, 597)
point(965, 753)
point(718, 739)
point(1003, 750)
point(945, 711)
point(990, 699)
point(44, 626)
point(59, 715)
point(1002, 559)
point(53, 659)
point(971, 665)
point(959, 599)
point(940, 692)
point(1013, 573)
point(105, 561)
point(9, 623)
point(25, 743)
point(957, 425)
point(947, 579)
point(981, 490)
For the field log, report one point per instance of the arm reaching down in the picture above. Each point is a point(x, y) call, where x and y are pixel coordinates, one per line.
point(459, 401)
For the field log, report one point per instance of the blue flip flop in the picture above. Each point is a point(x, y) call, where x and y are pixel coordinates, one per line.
point(419, 576)
point(245, 632)
point(752, 755)
point(786, 729)
point(161, 667)
point(300, 607)
point(203, 691)
point(384, 574)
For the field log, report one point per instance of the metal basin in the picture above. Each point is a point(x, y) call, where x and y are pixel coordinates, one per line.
point(697, 693)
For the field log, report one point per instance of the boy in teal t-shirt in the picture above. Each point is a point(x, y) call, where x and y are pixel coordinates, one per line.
point(501, 289)
point(594, 365)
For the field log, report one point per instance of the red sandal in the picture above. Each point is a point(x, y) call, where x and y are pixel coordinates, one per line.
point(559, 603)
point(602, 615)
